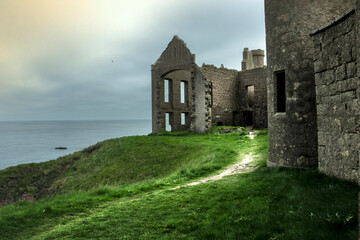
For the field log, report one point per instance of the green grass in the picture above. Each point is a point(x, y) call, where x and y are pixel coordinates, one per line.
point(121, 161)
point(268, 203)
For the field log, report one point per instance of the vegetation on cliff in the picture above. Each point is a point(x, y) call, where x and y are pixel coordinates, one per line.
point(123, 161)
point(122, 189)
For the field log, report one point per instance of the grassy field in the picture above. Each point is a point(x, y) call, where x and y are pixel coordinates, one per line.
point(121, 189)
point(123, 161)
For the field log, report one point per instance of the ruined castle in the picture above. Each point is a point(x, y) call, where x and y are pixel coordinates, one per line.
point(186, 96)
point(308, 95)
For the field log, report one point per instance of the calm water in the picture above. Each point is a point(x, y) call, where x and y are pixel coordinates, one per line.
point(35, 141)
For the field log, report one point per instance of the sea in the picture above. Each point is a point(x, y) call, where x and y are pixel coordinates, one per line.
point(35, 141)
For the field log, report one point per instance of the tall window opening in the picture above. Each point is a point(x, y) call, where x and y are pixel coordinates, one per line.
point(183, 91)
point(250, 90)
point(167, 86)
point(211, 94)
point(183, 118)
point(168, 122)
point(280, 92)
point(166, 90)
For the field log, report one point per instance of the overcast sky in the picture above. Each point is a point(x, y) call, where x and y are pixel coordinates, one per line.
point(91, 59)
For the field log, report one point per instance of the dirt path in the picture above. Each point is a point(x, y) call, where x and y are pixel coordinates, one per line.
point(242, 166)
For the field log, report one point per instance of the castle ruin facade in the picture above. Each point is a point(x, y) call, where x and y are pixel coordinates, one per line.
point(188, 97)
point(311, 83)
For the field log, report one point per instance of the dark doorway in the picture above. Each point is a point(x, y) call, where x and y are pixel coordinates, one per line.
point(236, 118)
point(248, 116)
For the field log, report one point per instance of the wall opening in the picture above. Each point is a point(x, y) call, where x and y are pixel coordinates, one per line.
point(280, 92)
point(166, 90)
point(211, 95)
point(250, 92)
point(248, 116)
point(183, 91)
point(236, 118)
point(183, 118)
point(219, 124)
point(168, 121)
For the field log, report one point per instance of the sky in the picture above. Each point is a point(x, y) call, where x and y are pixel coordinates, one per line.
point(91, 59)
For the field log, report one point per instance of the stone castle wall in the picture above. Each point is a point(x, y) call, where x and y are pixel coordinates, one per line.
point(201, 117)
point(174, 106)
point(293, 128)
point(337, 98)
point(175, 64)
point(257, 106)
point(213, 96)
point(224, 85)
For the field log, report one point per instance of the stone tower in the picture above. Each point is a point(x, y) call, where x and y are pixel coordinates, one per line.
point(292, 114)
point(252, 59)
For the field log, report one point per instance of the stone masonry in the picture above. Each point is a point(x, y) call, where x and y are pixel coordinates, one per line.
point(175, 65)
point(188, 97)
point(291, 80)
point(311, 84)
point(252, 59)
point(224, 102)
point(252, 105)
point(337, 97)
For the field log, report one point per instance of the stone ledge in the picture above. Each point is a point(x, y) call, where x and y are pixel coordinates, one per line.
point(334, 22)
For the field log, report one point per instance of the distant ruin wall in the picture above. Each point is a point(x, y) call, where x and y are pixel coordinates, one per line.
point(255, 104)
point(201, 112)
point(337, 90)
point(188, 97)
point(175, 66)
point(224, 85)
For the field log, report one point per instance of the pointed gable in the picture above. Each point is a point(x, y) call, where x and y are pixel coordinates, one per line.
point(176, 55)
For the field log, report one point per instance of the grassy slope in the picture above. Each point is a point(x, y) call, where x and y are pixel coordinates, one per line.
point(265, 204)
point(118, 162)
point(125, 166)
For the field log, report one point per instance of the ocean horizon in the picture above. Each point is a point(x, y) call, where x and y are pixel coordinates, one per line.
point(35, 141)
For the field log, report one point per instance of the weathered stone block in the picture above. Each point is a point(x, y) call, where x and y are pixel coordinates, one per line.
point(340, 73)
point(334, 88)
point(329, 77)
point(351, 70)
point(347, 96)
point(322, 109)
point(322, 90)
point(349, 124)
point(322, 138)
point(349, 84)
point(319, 65)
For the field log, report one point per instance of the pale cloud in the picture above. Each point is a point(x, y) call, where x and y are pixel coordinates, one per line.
point(75, 59)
